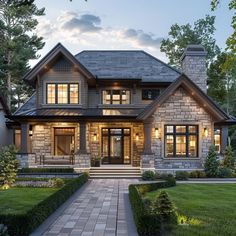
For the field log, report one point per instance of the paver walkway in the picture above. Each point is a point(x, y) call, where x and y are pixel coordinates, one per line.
point(101, 209)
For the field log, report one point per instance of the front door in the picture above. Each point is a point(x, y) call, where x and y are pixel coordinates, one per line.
point(116, 146)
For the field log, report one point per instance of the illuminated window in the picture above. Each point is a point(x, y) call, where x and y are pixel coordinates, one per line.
point(62, 93)
point(217, 140)
point(115, 97)
point(181, 141)
point(17, 139)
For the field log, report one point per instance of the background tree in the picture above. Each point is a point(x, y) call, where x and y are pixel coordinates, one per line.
point(18, 44)
point(228, 159)
point(180, 36)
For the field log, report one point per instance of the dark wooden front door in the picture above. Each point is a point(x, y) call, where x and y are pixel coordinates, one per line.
point(116, 146)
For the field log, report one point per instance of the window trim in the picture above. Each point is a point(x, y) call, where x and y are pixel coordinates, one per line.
point(68, 93)
point(111, 100)
point(186, 134)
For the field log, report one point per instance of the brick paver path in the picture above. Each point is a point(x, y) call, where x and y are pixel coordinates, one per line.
point(101, 209)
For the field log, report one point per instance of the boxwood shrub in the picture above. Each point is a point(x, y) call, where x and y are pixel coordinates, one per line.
point(46, 170)
point(146, 222)
point(24, 224)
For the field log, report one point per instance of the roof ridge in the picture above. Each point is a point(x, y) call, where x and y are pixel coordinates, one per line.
point(109, 50)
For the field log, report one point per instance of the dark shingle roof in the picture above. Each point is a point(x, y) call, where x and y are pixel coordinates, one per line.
point(127, 65)
point(28, 106)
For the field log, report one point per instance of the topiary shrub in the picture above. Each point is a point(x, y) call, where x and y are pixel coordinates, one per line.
point(225, 172)
point(3, 230)
point(148, 175)
point(8, 166)
point(56, 183)
point(228, 158)
point(211, 164)
point(181, 175)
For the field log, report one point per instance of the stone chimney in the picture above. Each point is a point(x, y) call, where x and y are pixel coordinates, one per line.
point(193, 63)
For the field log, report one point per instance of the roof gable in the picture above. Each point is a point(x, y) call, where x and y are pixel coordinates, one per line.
point(58, 51)
point(194, 91)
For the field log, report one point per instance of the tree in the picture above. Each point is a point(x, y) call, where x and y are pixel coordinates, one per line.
point(19, 44)
point(211, 165)
point(228, 159)
point(181, 35)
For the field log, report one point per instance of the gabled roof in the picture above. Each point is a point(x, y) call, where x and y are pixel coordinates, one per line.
point(4, 105)
point(58, 50)
point(127, 64)
point(194, 91)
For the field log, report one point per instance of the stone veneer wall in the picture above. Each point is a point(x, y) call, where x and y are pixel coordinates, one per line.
point(136, 146)
point(180, 108)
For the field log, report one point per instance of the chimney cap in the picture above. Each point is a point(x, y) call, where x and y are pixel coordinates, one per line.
point(194, 50)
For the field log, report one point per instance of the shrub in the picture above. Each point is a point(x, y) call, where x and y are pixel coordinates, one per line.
point(3, 230)
point(211, 164)
point(56, 183)
point(181, 175)
point(197, 174)
point(8, 166)
point(166, 176)
point(225, 172)
point(157, 175)
point(228, 159)
point(46, 170)
point(24, 224)
point(148, 175)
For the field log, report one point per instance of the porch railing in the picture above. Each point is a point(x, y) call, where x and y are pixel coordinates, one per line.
point(57, 160)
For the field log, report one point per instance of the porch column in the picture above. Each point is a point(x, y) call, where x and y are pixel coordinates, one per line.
point(25, 138)
point(82, 138)
point(224, 137)
point(148, 136)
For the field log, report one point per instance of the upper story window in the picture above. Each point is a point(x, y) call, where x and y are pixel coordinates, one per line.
point(62, 93)
point(181, 141)
point(115, 97)
point(150, 94)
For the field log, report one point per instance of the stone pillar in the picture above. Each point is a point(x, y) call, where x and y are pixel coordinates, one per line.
point(82, 138)
point(224, 137)
point(193, 63)
point(147, 136)
point(25, 141)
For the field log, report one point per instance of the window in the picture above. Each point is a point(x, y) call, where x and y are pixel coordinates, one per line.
point(17, 139)
point(62, 93)
point(181, 141)
point(217, 139)
point(115, 97)
point(150, 94)
point(64, 141)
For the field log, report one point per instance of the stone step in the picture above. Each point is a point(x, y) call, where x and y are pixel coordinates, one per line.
point(114, 170)
point(116, 177)
point(114, 173)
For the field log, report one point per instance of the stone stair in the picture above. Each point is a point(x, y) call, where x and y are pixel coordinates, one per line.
point(114, 172)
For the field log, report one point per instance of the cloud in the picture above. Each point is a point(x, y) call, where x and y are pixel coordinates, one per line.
point(142, 38)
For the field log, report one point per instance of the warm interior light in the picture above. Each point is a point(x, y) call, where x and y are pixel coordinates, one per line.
point(30, 131)
point(156, 132)
point(95, 137)
point(137, 137)
point(205, 132)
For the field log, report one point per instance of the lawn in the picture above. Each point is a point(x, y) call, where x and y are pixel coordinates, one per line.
point(212, 208)
point(19, 200)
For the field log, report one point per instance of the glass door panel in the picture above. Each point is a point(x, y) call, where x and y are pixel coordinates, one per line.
point(127, 150)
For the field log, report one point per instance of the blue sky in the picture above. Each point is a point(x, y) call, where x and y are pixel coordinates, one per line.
point(123, 24)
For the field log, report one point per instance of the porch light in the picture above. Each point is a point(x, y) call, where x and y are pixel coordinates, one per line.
point(156, 132)
point(95, 137)
point(205, 132)
point(137, 136)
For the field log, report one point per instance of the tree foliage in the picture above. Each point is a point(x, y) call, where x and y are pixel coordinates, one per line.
point(228, 159)
point(211, 165)
point(180, 36)
point(19, 44)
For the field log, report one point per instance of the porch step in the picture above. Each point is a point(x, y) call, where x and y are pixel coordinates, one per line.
point(115, 172)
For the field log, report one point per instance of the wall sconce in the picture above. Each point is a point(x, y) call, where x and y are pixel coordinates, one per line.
point(156, 132)
point(205, 132)
point(137, 137)
point(30, 131)
point(95, 137)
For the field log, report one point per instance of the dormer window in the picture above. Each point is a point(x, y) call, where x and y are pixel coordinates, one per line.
point(116, 96)
point(65, 93)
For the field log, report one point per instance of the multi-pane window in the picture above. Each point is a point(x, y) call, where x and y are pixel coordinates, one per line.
point(115, 97)
point(62, 93)
point(181, 141)
point(150, 94)
point(217, 140)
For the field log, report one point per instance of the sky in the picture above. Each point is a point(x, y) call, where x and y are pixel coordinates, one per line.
point(122, 24)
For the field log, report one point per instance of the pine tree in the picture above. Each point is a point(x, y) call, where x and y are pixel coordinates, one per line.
point(228, 160)
point(211, 164)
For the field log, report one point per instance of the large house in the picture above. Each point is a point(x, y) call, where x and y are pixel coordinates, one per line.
point(126, 107)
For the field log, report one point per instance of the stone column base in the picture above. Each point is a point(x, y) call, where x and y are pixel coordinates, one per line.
point(26, 160)
point(147, 162)
point(82, 161)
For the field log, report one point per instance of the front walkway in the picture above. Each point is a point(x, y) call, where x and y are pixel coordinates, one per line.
point(102, 208)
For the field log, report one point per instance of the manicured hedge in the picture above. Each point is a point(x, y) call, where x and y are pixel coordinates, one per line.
point(24, 224)
point(46, 170)
point(147, 224)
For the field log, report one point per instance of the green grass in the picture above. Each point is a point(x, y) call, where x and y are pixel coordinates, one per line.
point(19, 200)
point(212, 208)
